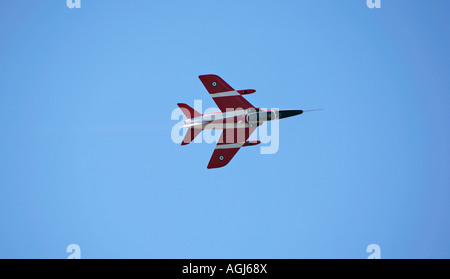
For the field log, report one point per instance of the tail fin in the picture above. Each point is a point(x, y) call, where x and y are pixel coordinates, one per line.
point(190, 135)
point(188, 111)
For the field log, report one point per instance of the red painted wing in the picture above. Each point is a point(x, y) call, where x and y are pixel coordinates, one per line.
point(223, 94)
point(229, 144)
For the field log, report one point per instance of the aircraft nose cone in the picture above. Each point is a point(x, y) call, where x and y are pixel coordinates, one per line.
point(289, 113)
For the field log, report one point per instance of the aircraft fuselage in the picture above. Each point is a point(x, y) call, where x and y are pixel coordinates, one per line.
point(252, 117)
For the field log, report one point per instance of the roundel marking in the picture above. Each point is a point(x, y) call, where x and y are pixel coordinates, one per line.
point(214, 84)
point(221, 157)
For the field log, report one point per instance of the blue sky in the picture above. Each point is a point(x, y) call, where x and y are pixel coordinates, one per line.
point(87, 156)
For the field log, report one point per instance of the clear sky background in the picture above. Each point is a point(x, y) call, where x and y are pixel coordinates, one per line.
point(85, 117)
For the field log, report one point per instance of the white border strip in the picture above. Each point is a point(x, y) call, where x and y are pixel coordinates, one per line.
point(230, 145)
point(225, 94)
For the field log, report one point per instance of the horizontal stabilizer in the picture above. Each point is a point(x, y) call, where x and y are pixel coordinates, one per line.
point(188, 111)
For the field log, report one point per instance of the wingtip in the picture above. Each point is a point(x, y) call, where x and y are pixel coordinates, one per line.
point(212, 167)
point(207, 75)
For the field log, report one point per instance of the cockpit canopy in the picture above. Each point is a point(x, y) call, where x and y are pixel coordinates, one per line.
point(260, 116)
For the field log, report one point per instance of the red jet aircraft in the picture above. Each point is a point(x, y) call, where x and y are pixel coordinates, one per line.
point(238, 119)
